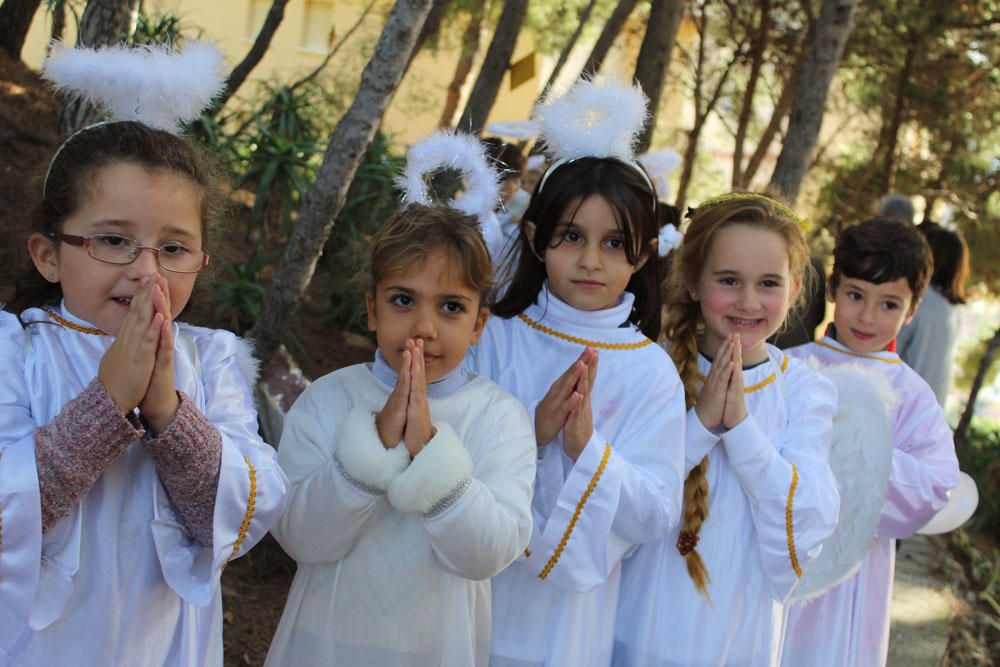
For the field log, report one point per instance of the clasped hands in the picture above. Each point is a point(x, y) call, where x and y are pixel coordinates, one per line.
point(138, 368)
point(722, 400)
point(566, 406)
point(406, 415)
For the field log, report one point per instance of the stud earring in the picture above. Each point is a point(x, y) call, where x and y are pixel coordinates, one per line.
point(52, 276)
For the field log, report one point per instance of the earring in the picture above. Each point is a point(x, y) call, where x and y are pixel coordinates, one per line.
point(694, 296)
point(52, 276)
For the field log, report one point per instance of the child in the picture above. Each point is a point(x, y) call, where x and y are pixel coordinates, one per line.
point(759, 496)
point(609, 438)
point(411, 477)
point(881, 268)
point(131, 470)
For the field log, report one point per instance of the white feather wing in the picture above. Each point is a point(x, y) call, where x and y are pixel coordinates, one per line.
point(861, 458)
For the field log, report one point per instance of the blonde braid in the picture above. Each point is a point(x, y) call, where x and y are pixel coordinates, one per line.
point(683, 319)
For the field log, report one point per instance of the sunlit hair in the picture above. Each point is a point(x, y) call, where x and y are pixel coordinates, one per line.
point(684, 323)
point(881, 250)
point(628, 195)
point(411, 235)
point(951, 260)
point(71, 181)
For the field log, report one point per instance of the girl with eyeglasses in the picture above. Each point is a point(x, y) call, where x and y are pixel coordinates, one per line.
point(131, 469)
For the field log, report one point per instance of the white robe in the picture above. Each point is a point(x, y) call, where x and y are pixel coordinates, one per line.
point(849, 625)
point(394, 557)
point(556, 604)
point(772, 501)
point(120, 580)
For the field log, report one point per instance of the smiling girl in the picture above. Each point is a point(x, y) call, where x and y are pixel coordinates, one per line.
point(759, 497)
point(131, 470)
point(411, 476)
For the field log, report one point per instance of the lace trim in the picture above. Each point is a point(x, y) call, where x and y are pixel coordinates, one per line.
point(576, 514)
point(357, 483)
point(449, 500)
point(248, 515)
point(583, 341)
point(789, 528)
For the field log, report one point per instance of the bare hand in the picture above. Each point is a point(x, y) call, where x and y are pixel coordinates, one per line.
point(579, 425)
point(127, 365)
point(159, 405)
point(419, 430)
point(391, 420)
point(736, 410)
point(711, 404)
point(553, 410)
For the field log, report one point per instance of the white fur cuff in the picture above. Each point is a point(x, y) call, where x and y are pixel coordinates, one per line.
point(365, 462)
point(438, 474)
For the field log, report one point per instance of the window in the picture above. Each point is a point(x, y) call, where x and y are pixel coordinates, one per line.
point(317, 30)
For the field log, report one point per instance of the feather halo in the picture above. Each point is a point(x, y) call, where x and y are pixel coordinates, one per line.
point(463, 152)
point(151, 85)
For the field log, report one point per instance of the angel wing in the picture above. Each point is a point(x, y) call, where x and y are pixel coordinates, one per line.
point(861, 458)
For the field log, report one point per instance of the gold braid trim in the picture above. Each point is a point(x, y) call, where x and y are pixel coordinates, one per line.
point(576, 514)
point(788, 522)
point(856, 354)
point(73, 325)
point(248, 516)
point(583, 341)
point(760, 385)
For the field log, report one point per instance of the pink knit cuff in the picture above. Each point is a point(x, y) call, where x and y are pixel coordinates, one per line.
point(74, 448)
point(188, 455)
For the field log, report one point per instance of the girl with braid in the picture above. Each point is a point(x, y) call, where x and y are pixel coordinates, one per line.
point(759, 498)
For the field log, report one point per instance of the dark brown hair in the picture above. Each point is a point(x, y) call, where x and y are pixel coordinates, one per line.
point(567, 185)
point(881, 250)
point(951, 260)
point(69, 183)
point(684, 322)
point(413, 234)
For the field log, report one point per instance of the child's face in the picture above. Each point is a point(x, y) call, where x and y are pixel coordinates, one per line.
point(430, 302)
point(589, 268)
point(155, 208)
point(745, 288)
point(869, 315)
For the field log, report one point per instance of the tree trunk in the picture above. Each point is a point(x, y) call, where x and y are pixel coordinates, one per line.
point(758, 46)
point(581, 21)
point(495, 65)
point(104, 22)
point(989, 355)
point(58, 23)
point(432, 26)
point(260, 45)
point(654, 59)
point(471, 39)
point(824, 52)
point(344, 152)
point(15, 21)
point(888, 139)
point(612, 28)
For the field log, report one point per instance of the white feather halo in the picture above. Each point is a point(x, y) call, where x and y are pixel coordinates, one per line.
point(593, 120)
point(669, 238)
point(463, 152)
point(151, 85)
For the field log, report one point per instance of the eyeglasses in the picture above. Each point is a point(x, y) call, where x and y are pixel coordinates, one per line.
point(117, 249)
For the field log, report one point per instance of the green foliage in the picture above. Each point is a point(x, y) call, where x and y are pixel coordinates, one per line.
point(553, 23)
point(980, 458)
point(968, 365)
point(166, 28)
point(236, 302)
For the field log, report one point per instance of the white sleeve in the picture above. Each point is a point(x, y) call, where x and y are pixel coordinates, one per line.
point(339, 472)
point(617, 494)
point(476, 512)
point(252, 488)
point(924, 465)
point(20, 500)
point(793, 494)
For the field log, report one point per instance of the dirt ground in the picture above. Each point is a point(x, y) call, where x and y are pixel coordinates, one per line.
point(255, 586)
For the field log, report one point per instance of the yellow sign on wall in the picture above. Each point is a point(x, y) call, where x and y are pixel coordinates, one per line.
point(522, 71)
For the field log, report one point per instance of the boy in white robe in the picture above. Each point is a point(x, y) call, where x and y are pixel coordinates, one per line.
point(881, 269)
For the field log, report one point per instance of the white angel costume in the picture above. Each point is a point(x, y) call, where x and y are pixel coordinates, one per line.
point(394, 557)
point(556, 604)
point(849, 625)
point(772, 502)
point(120, 579)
